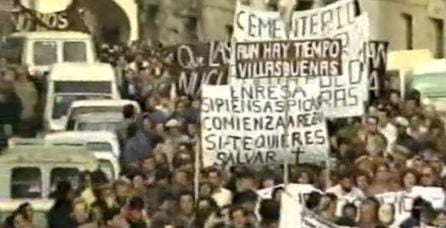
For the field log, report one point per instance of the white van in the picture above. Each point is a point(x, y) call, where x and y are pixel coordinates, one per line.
point(39, 50)
point(68, 82)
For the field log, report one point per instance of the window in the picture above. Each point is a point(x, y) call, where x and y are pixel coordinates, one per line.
point(439, 37)
point(12, 50)
point(99, 146)
point(71, 175)
point(45, 52)
point(26, 182)
point(97, 126)
point(63, 102)
point(82, 87)
point(74, 51)
point(408, 26)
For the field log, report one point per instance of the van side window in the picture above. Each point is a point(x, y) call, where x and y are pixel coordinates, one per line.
point(26, 182)
point(71, 175)
point(74, 51)
point(45, 52)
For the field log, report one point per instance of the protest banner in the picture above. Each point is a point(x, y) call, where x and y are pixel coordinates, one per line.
point(201, 64)
point(344, 95)
point(376, 56)
point(306, 58)
point(69, 19)
point(262, 124)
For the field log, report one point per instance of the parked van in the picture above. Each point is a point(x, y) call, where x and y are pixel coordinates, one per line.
point(30, 170)
point(39, 50)
point(104, 145)
point(429, 79)
point(68, 82)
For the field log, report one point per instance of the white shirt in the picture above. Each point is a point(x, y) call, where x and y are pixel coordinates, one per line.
point(343, 198)
point(223, 197)
point(390, 132)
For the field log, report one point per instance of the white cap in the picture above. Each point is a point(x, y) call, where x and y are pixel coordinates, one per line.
point(172, 123)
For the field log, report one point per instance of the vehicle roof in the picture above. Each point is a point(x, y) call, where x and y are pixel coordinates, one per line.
point(103, 103)
point(52, 35)
point(88, 136)
point(100, 117)
point(47, 155)
point(10, 205)
point(81, 72)
point(431, 67)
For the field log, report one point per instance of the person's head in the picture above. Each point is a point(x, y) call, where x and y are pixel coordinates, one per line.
point(409, 179)
point(163, 177)
point(206, 203)
point(429, 112)
point(436, 127)
point(346, 181)
point(138, 180)
point(381, 173)
point(427, 176)
point(239, 217)
point(180, 107)
point(328, 204)
point(21, 221)
point(372, 124)
point(136, 209)
point(268, 182)
point(386, 214)
point(122, 188)
point(269, 211)
point(172, 127)
point(167, 202)
point(181, 177)
point(64, 191)
point(313, 201)
point(369, 210)
point(148, 163)
point(350, 211)
point(376, 144)
point(304, 177)
point(245, 181)
point(362, 181)
point(247, 200)
point(441, 218)
point(186, 203)
point(128, 111)
point(206, 189)
point(394, 97)
point(79, 211)
point(214, 177)
point(383, 117)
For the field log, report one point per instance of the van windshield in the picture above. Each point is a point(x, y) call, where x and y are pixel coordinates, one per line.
point(62, 102)
point(44, 53)
point(430, 85)
point(82, 87)
point(12, 50)
point(74, 51)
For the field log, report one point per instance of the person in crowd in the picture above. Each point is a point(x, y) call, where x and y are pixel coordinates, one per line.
point(349, 215)
point(386, 128)
point(346, 188)
point(186, 210)
point(129, 114)
point(59, 214)
point(327, 207)
point(21, 217)
point(386, 214)
point(381, 180)
point(368, 213)
point(221, 195)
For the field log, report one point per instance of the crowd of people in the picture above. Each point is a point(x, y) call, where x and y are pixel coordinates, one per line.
point(399, 144)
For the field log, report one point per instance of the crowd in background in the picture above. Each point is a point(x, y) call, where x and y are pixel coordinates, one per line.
point(398, 145)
